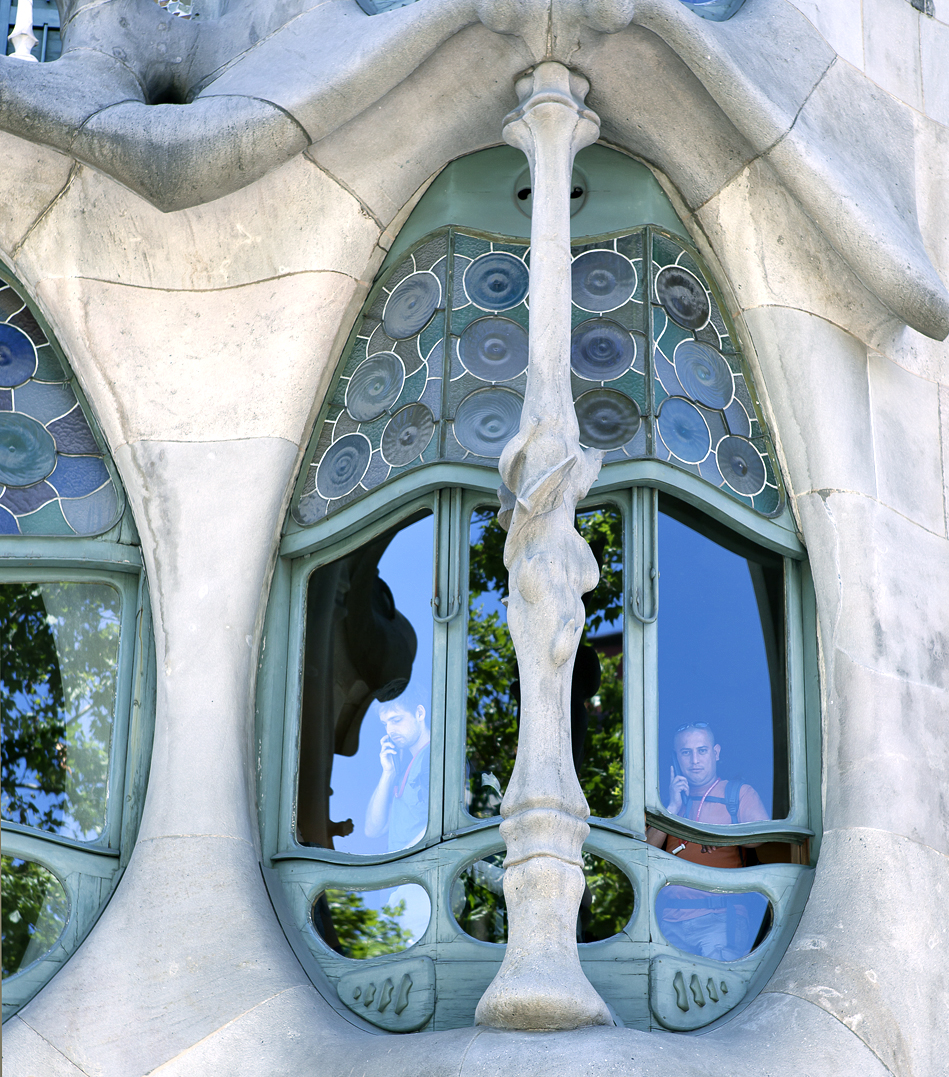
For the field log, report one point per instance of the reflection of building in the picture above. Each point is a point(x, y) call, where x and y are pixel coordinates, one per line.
point(202, 262)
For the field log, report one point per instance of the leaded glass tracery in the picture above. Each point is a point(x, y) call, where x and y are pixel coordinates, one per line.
point(437, 367)
point(54, 479)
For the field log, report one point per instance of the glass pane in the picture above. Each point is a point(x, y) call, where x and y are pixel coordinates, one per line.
point(493, 690)
point(608, 900)
point(722, 734)
point(477, 900)
point(370, 923)
point(60, 646)
point(367, 684)
point(597, 697)
point(725, 927)
point(35, 910)
point(493, 687)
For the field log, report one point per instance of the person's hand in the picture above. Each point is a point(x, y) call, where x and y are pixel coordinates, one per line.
point(678, 788)
point(387, 757)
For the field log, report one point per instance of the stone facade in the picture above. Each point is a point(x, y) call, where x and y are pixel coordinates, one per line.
point(202, 262)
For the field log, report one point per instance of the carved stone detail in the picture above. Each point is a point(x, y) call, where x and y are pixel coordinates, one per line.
point(540, 984)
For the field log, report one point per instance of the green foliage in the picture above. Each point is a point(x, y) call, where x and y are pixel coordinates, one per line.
point(607, 905)
point(34, 911)
point(365, 932)
point(57, 685)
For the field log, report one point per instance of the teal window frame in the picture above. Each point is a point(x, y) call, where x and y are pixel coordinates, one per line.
point(89, 870)
point(639, 982)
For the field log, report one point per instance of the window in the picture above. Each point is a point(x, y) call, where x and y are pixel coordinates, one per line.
point(389, 701)
point(75, 675)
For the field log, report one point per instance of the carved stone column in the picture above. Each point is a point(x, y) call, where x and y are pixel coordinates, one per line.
point(540, 984)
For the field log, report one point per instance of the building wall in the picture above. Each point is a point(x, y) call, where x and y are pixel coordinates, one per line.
point(204, 338)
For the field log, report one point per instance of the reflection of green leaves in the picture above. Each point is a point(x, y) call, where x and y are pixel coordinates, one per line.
point(484, 915)
point(58, 651)
point(608, 902)
point(33, 915)
point(365, 932)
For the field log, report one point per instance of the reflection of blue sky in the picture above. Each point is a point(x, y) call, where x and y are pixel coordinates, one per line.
point(712, 661)
point(406, 567)
point(418, 905)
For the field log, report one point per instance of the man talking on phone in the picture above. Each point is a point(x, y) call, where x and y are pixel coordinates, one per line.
point(398, 806)
point(694, 920)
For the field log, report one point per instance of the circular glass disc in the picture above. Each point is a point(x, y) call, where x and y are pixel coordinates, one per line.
point(601, 350)
point(343, 465)
point(704, 374)
point(602, 280)
point(27, 450)
point(494, 349)
point(487, 419)
point(407, 434)
point(17, 357)
point(684, 430)
point(374, 386)
point(607, 419)
point(741, 465)
point(682, 297)
point(497, 281)
point(411, 306)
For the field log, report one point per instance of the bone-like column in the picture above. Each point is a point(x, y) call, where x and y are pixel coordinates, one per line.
point(22, 36)
point(540, 984)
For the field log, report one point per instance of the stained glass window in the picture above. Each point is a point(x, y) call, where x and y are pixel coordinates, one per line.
point(438, 363)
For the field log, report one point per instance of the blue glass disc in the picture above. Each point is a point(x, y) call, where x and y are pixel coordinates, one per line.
point(487, 419)
point(497, 281)
point(27, 451)
point(607, 419)
point(17, 357)
point(601, 350)
point(602, 280)
point(704, 374)
point(407, 434)
point(343, 465)
point(741, 465)
point(683, 430)
point(494, 349)
point(411, 306)
point(374, 386)
point(682, 297)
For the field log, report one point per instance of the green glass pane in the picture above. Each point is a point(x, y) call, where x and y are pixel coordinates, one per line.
point(59, 646)
point(370, 923)
point(478, 904)
point(35, 910)
point(493, 687)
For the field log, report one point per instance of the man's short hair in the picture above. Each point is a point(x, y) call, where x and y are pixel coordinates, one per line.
point(409, 701)
point(703, 727)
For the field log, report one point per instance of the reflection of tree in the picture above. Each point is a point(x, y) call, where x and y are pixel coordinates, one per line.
point(33, 914)
point(363, 932)
point(58, 650)
point(492, 669)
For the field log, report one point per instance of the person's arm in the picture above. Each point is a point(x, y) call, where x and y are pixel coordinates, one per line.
point(751, 809)
point(377, 810)
point(678, 788)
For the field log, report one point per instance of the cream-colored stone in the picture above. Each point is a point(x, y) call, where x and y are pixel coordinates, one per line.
point(887, 749)
point(905, 416)
point(814, 378)
point(209, 515)
point(932, 191)
point(385, 154)
point(203, 366)
point(941, 11)
point(840, 22)
point(31, 179)
point(891, 48)
point(882, 587)
point(774, 255)
point(294, 220)
point(944, 446)
point(27, 1054)
point(187, 944)
point(871, 948)
point(934, 55)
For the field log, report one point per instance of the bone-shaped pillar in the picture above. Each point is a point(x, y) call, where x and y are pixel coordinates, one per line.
point(540, 984)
